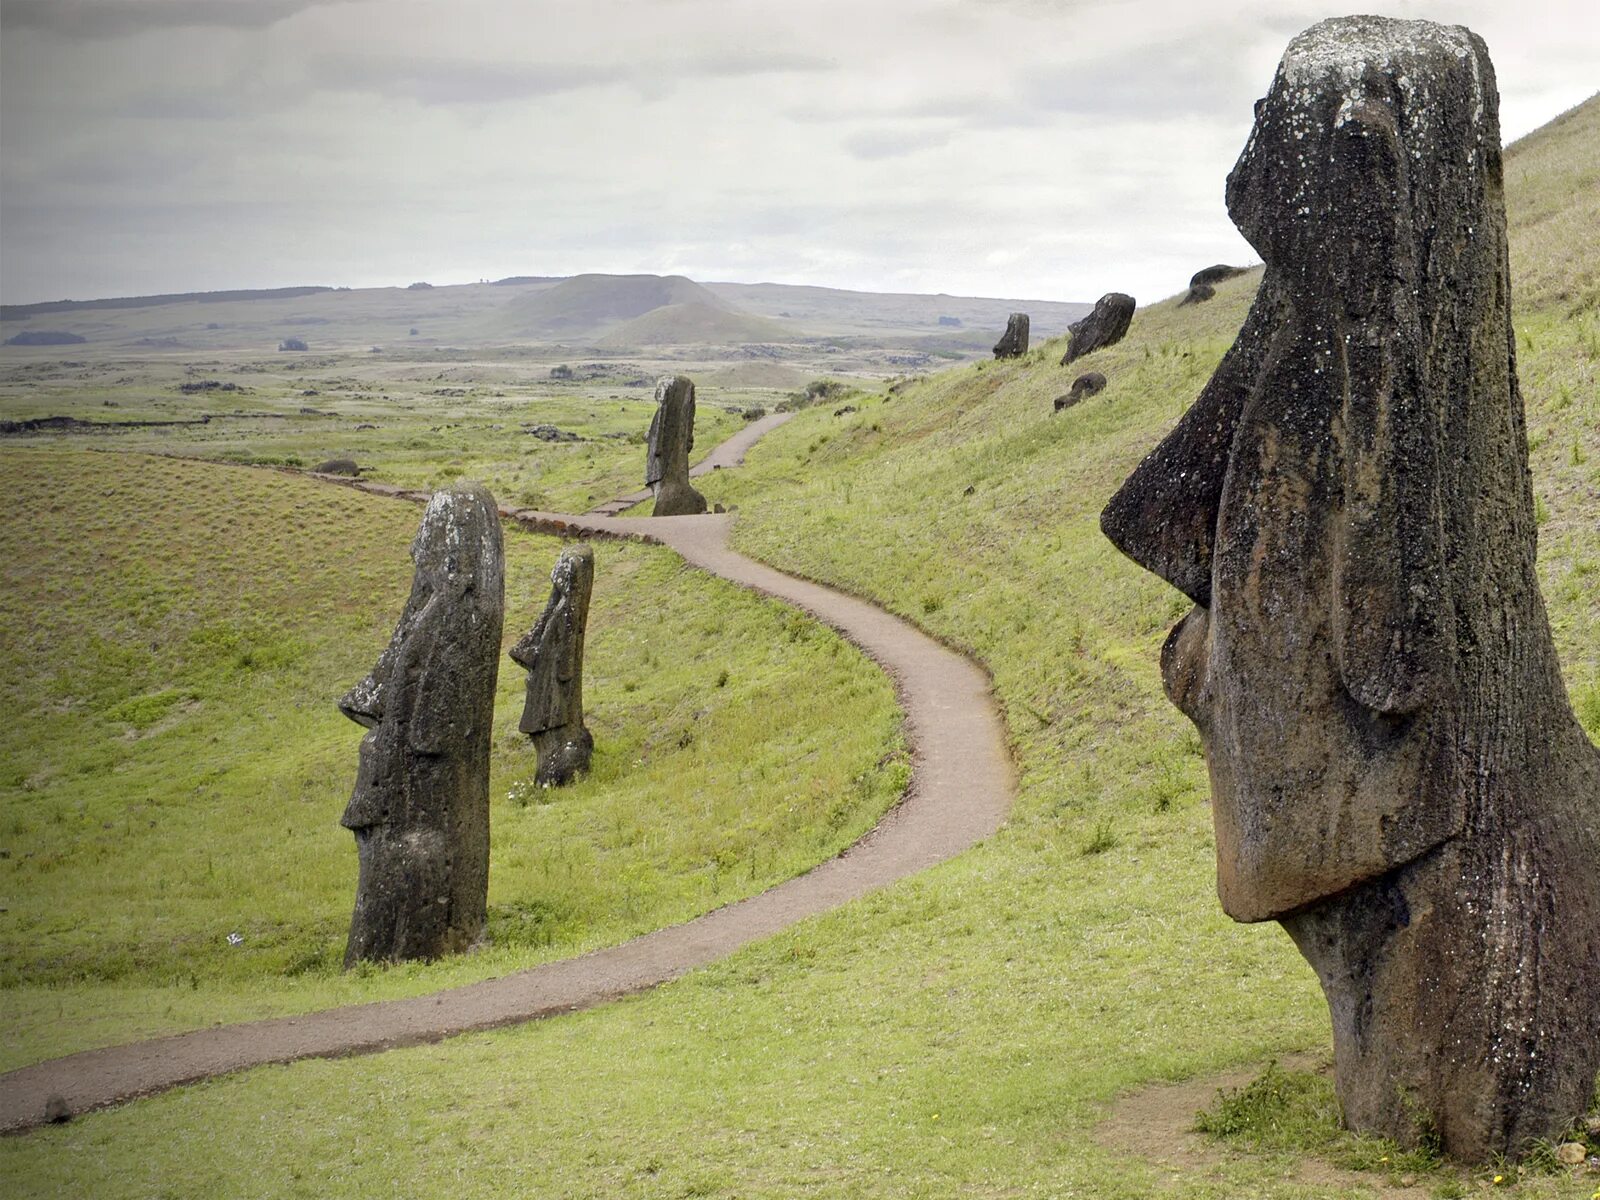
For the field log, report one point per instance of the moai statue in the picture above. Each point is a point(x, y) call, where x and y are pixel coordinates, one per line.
point(420, 811)
point(1397, 776)
point(1105, 326)
point(552, 652)
point(666, 463)
point(1013, 342)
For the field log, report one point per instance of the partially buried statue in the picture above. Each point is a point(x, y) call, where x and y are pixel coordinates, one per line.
point(666, 463)
point(420, 811)
point(552, 652)
point(1396, 772)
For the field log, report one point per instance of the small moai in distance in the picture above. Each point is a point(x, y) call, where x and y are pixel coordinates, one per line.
point(552, 653)
point(1105, 326)
point(420, 810)
point(1203, 283)
point(1397, 775)
point(666, 463)
point(1090, 383)
point(1013, 342)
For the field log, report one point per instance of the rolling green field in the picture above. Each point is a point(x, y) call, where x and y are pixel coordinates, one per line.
point(174, 767)
point(967, 1031)
point(414, 422)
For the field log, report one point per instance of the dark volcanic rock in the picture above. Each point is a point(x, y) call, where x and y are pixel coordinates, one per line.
point(45, 337)
point(1397, 774)
point(552, 652)
point(1104, 326)
point(337, 466)
point(1197, 294)
point(1211, 276)
point(293, 343)
point(1013, 342)
point(551, 433)
point(420, 811)
point(1090, 383)
point(666, 463)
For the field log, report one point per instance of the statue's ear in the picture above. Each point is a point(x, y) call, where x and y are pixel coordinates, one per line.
point(1164, 516)
point(1392, 617)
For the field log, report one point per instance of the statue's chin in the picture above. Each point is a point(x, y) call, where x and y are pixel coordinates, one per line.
point(1183, 664)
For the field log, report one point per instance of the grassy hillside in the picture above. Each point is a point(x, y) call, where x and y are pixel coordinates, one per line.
point(696, 323)
point(582, 306)
point(174, 768)
point(1553, 214)
point(967, 1031)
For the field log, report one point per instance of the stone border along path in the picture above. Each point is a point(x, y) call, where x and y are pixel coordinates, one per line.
point(962, 786)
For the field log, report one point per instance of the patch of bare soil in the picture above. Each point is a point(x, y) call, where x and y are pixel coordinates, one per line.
point(1156, 1124)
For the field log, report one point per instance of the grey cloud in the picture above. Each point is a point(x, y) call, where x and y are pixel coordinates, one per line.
point(1207, 77)
point(870, 145)
point(456, 81)
point(120, 18)
point(440, 81)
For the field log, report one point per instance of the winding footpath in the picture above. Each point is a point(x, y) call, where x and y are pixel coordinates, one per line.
point(962, 786)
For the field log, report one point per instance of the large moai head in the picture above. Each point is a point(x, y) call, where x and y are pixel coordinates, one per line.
point(420, 810)
point(666, 464)
point(1396, 773)
point(552, 653)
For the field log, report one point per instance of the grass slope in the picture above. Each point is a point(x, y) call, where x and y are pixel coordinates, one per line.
point(963, 1032)
point(174, 768)
point(585, 304)
point(695, 323)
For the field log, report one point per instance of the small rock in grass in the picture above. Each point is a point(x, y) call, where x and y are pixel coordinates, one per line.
point(1571, 1154)
point(56, 1110)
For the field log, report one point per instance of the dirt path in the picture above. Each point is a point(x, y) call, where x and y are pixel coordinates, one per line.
point(961, 789)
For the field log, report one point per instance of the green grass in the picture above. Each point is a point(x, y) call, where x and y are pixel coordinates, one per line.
point(1297, 1112)
point(964, 1031)
point(415, 424)
point(174, 767)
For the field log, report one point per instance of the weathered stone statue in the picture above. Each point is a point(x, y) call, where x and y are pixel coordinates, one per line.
point(1090, 383)
point(1396, 772)
point(666, 463)
point(1013, 342)
point(1105, 326)
point(420, 811)
point(552, 652)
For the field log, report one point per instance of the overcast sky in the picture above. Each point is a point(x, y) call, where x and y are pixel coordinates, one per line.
point(1041, 149)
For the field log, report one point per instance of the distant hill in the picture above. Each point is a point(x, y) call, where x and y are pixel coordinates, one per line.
point(611, 312)
point(586, 305)
point(696, 323)
point(837, 311)
point(20, 312)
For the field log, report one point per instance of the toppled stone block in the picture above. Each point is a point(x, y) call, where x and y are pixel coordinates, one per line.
point(1104, 326)
point(1090, 383)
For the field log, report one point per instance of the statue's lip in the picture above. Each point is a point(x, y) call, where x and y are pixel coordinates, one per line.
point(361, 707)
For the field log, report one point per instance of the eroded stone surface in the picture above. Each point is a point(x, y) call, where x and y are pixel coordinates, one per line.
point(1013, 342)
point(420, 810)
point(1104, 326)
point(1396, 772)
point(666, 468)
point(552, 652)
point(1090, 383)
